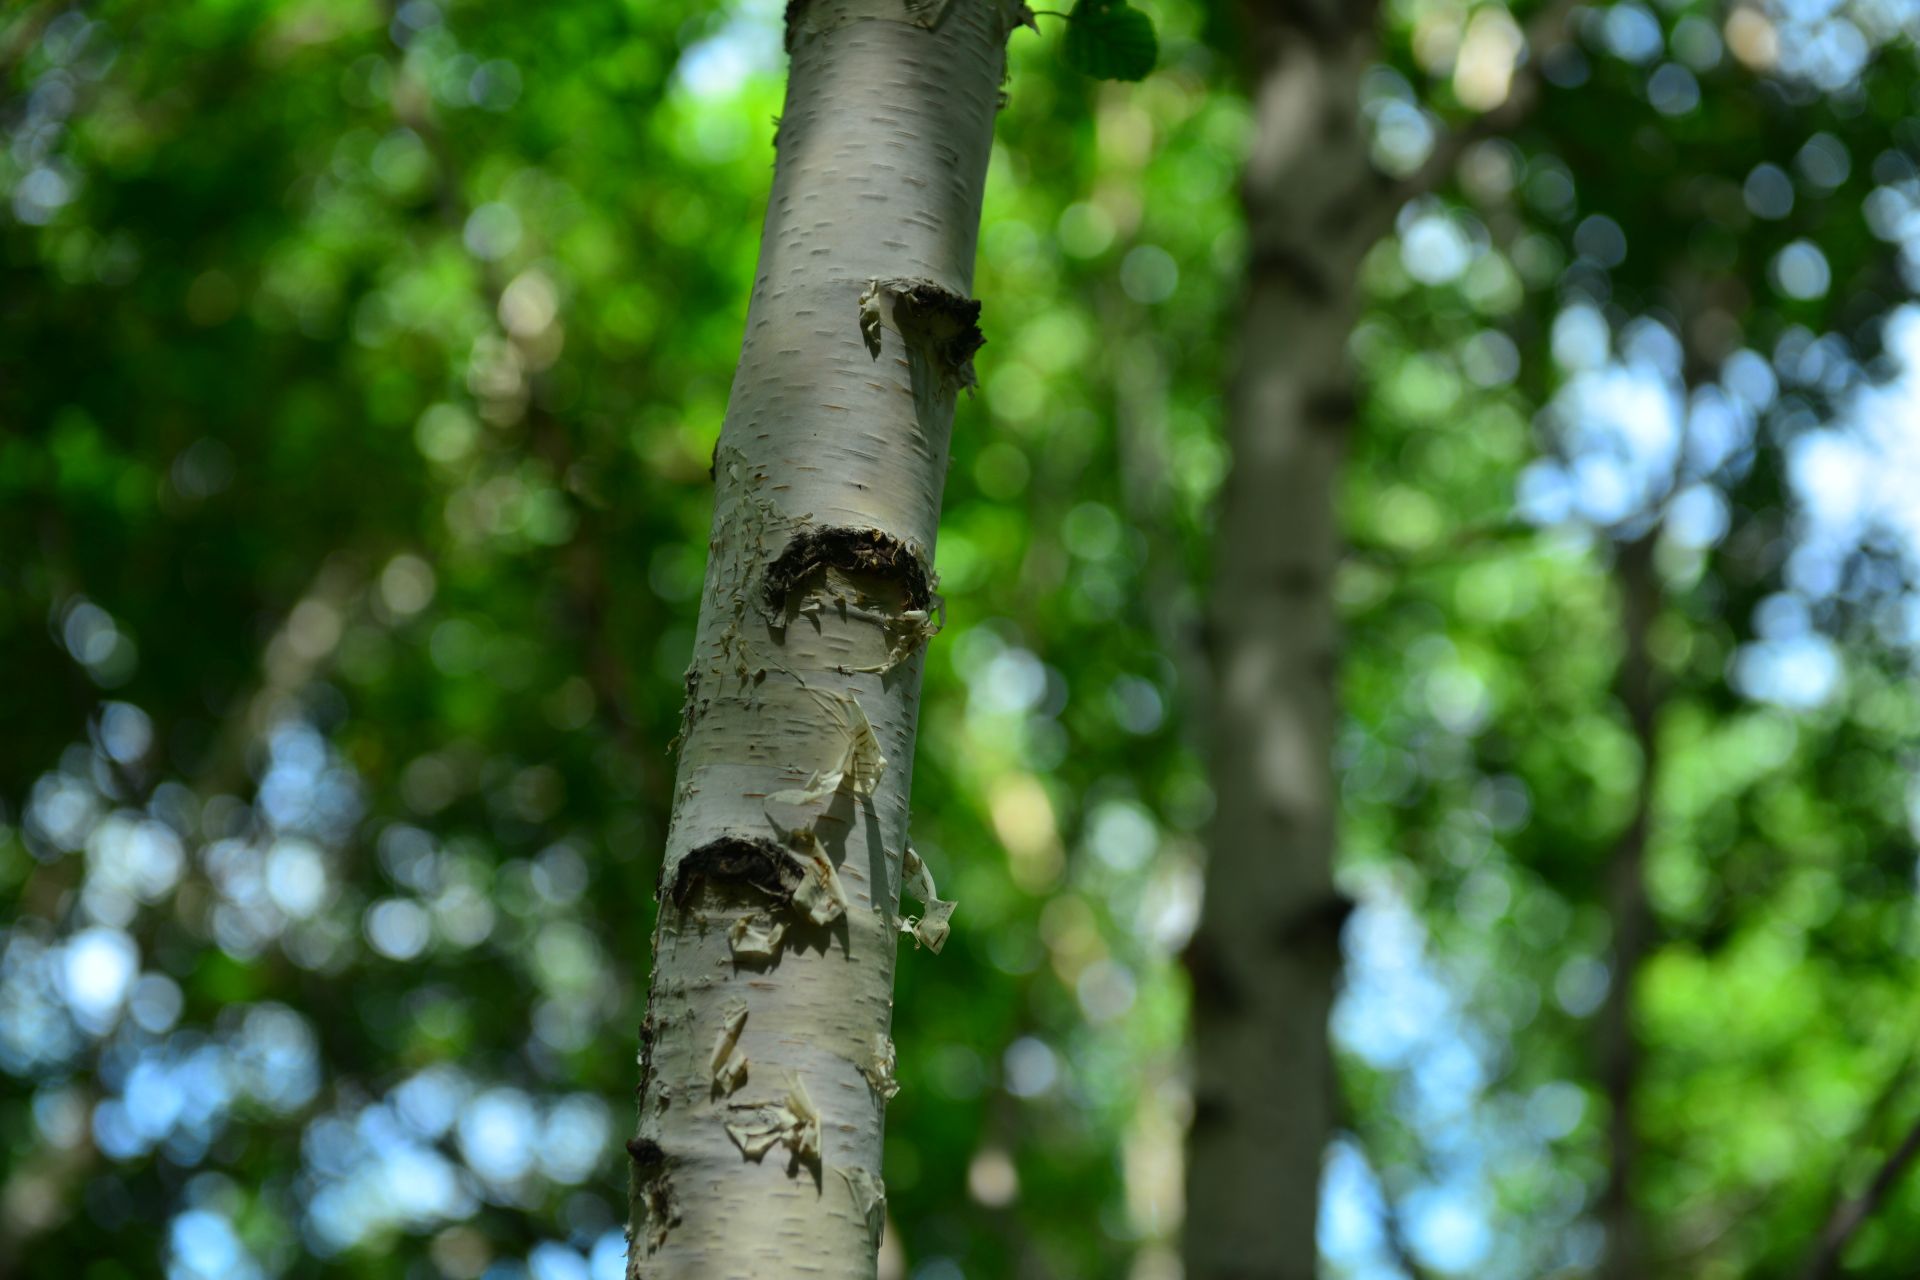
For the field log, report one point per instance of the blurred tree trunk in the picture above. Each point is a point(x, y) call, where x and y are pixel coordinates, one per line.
point(1265, 955)
point(765, 1061)
point(1636, 685)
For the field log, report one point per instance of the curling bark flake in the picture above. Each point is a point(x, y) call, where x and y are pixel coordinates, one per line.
point(765, 1060)
point(1265, 955)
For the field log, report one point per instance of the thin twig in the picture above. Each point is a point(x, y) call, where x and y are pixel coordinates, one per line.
point(1545, 32)
point(1390, 1224)
point(22, 35)
point(1447, 552)
point(1850, 1215)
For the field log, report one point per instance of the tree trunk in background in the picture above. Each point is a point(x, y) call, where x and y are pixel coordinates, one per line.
point(765, 1061)
point(1631, 914)
point(1265, 955)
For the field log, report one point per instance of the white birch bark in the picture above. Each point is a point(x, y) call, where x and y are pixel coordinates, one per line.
point(765, 1062)
point(1264, 957)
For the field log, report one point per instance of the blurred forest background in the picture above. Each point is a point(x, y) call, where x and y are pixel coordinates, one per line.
point(359, 372)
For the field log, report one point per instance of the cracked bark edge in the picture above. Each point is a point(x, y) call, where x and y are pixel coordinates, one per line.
point(1310, 936)
point(1212, 984)
point(1313, 932)
point(652, 1189)
point(817, 17)
point(740, 861)
point(646, 1055)
point(850, 550)
point(689, 709)
point(941, 324)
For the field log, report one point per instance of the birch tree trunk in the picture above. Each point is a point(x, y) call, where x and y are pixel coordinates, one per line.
point(1264, 957)
point(765, 1062)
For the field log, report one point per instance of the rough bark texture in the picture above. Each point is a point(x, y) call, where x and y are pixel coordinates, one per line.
point(1264, 958)
point(1632, 918)
point(765, 1059)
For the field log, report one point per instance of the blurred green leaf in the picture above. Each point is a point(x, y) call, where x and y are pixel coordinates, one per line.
point(1111, 41)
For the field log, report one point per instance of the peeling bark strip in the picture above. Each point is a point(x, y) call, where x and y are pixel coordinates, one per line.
point(771, 1002)
point(1265, 955)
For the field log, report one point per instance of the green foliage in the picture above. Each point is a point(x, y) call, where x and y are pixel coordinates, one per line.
point(1110, 40)
point(360, 499)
